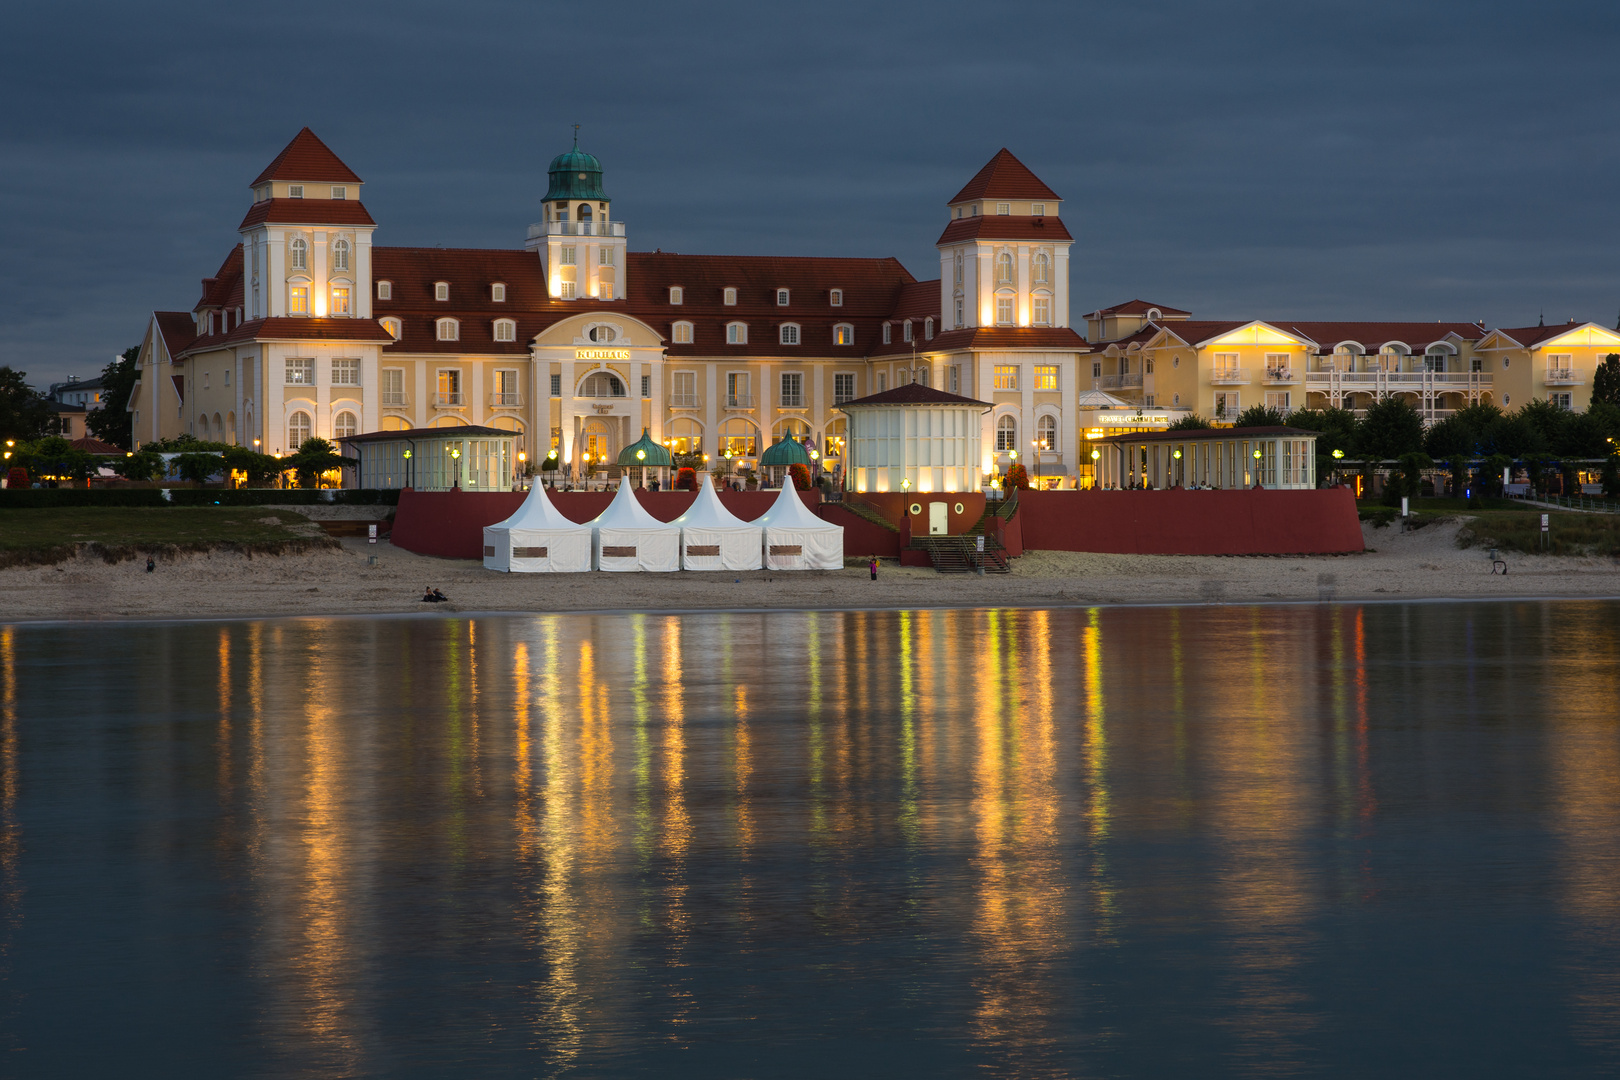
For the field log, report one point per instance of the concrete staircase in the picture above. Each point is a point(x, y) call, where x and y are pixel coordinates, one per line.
point(961, 554)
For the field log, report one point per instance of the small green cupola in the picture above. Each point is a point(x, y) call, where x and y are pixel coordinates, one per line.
point(575, 175)
point(646, 453)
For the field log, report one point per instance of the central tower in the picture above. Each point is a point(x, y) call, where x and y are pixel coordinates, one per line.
point(581, 247)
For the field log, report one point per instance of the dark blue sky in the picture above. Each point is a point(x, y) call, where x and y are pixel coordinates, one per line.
point(1306, 160)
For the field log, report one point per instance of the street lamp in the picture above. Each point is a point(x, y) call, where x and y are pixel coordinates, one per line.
point(905, 483)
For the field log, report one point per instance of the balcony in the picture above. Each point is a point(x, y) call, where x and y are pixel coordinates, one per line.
point(454, 400)
point(396, 399)
point(1563, 377)
point(1280, 375)
point(575, 228)
point(739, 401)
point(505, 399)
point(1117, 382)
point(685, 401)
point(1229, 376)
point(792, 401)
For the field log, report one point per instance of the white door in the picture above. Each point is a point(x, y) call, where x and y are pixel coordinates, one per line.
point(936, 518)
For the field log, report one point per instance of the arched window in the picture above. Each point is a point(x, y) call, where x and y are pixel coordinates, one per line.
point(602, 385)
point(340, 254)
point(1006, 434)
point(790, 333)
point(497, 292)
point(230, 427)
point(584, 211)
point(958, 267)
point(448, 330)
point(602, 334)
point(682, 333)
point(392, 326)
point(202, 427)
point(1004, 269)
point(685, 436)
point(344, 425)
point(505, 330)
point(928, 328)
point(1043, 268)
point(300, 254)
point(1046, 432)
point(1040, 309)
point(219, 427)
point(739, 436)
point(736, 333)
point(843, 334)
point(297, 429)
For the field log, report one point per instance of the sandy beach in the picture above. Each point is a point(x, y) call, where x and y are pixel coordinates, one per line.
point(1424, 564)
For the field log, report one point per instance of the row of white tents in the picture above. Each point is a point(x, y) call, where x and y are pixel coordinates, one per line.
point(625, 537)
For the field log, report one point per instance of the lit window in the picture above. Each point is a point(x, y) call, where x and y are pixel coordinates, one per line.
point(790, 334)
point(1003, 208)
point(736, 333)
point(344, 425)
point(1006, 433)
point(392, 326)
point(441, 290)
point(730, 298)
point(604, 291)
point(301, 372)
point(843, 334)
point(566, 256)
point(300, 254)
point(569, 290)
point(448, 330)
point(340, 254)
point(1043, 310)
point(297, 429)
point(1037, 209)
point(646, 386)
point(837, 298)
point(1004, 311)
point(345, 372)
point(683, 333)
point(905, 330)
point(295, 191)
point(887, 331)
point(340, 193)
point(340, 300)
point(385, 290)
point(1006, 377)
point(450, 388)
point(676, 294)
point(843, 388)
point(1046, 378)
point(1004, 268)
point(497, 292)
point(781, 298)
point(298, 300)
point(505, 330)
point(602, 334)
point(1046, 432)
point(792, 390)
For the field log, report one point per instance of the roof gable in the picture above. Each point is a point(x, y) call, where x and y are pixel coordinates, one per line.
point(307, 158)
point(1138, 307)
point(1005, 177)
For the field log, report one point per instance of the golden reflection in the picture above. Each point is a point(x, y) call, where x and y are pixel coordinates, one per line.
point(10, 830)
point(222, 665)
point(560, 1027)
point(744, 767)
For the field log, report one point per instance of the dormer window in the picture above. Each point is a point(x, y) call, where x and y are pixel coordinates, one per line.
point(1003, 208)
point(843, 334)
point(736, 333)
point(928, 329)
point(837, 297)
point(905, 330)
point(340, 193)
point(781, 298)
point(497, 292)
point(448, 330)
point(295, 191)
point(392, 326)
point(385, 290)
point(887, 331)
point(730, 298)
point(441, 290)
point(676, 295)
point(1037, 209)
point(505, 330)
point(975, 209)
point(682, 333)
point(789, 334)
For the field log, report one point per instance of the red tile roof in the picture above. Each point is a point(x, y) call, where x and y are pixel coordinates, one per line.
point(1373, 334)
point(178, 330)
point(1137, 307)
point(1004, 177)
point(1141, 337)
point(224, 289)
point(307, 158)
point(917, 301)
point(1192, 332)
point(306, 212)
point(292, 329)
point(1061, 338)
point(1004, 227)
point(96, 446)
point(1531, 335)
point(913, 394)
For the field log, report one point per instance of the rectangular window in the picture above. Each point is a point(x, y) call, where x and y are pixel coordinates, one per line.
point(737, 390)
point(1149, 401)
point(295, 191)
point(1006, 377)
point(792, 390)
point(956, 379)
point(1226, 362)
point(843, 334)
point(556, 386)
point(905, 330)
point(340, 193)
point(646, 386)
point(393, 387)
point(1043, 311)
point(605, 291)
point(886, 333)
point(449, 330)
point(1046, 378)
point(837, 298)
point(1228, 404)
point(301, 372)
point(605, 257)
point(676, 295)
point(882, 381)
point(298, 300)
point(790, 334)
point(340, 300)
point(565, 256)
point(506, 389)
point(1003, 208)
point(730, 297)
point(385, 290)
point(1563, 401)
point(497, 292)
point(1278, 399)
point(781, 298)
point(345, 373)
point(450, 388)
point(441, 290)
point(683, 333)
point(227, 382)
point(1476, 364)
point(684, 395)
point(1037, 209)
point(959, 314)
point(843, 388)
point(568, 290)
point(736, 333)
point(1004, 311)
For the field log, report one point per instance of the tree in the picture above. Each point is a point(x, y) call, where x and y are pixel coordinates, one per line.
point(1535, 469)
point(1495, 467)
point(24, 413)
point(1335, 428)
point(1190, 422)
point(1389, 428)
point(1260, 416)
point(197, 468)
point(141, 465)
point(1512, 436)
point(1017, 477)
point(316, 456)
point(1606, 381)
point(1449, 438)
point(1413, 466)
point(1458, 464)
point(55, 456)
point(110, 421)
point(1611, 476)
point(259, 468)
point(1548, 420)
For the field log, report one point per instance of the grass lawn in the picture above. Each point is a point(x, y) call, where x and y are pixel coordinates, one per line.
point(49, 534)
point(1568, 534)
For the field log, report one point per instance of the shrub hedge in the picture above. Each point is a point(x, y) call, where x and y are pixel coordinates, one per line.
point(41, 498)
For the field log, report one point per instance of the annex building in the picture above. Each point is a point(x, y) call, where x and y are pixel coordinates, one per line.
point(575, 343)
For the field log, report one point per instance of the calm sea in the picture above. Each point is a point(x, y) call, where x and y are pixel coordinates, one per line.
point(1214, 841)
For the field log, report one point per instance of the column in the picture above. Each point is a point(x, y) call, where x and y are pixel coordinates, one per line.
point(711, 411)
point(568, 451)
point(762, 399)
point(659, 410)
point(1069, 432)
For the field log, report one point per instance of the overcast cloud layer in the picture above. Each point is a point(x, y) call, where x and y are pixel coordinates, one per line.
point(1441, 160)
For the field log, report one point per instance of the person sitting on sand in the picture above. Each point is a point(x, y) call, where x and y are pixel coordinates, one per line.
point(427, 595)
point(439, 597)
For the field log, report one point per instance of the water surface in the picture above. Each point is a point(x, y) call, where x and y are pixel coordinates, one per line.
point(1220, 841)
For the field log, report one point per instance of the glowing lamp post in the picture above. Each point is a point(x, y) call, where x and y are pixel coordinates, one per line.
point(455, 456)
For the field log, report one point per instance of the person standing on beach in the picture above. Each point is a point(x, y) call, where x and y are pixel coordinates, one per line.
point(873, 567)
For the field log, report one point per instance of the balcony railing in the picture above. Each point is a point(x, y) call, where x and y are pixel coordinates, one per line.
point(575, 228)
point(1280, 375)
point(839, 399)
point(792, 401)
point(739, 401)
point(1562, 377)
point(395, 399)
point(452, 400)
point(685, 401)
point(505, 399)
point(1117, 382)
point(1229, 376)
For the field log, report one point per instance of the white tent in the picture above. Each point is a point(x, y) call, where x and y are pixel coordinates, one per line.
point(629, 538)
point(713, 538)
point(795, 539)
point(537, 540)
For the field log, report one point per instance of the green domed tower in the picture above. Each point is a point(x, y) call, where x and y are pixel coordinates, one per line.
point(582, 247)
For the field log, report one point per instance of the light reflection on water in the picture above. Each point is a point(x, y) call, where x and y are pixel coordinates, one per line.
point(1197, 841)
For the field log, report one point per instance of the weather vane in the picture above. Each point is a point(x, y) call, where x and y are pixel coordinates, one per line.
point(576, 136)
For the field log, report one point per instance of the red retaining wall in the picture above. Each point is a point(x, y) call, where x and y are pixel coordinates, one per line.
point(861, 537)
point(450, 524)
point(1179, 522)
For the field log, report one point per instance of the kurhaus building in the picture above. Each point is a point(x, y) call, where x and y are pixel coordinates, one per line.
point(575, 343)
